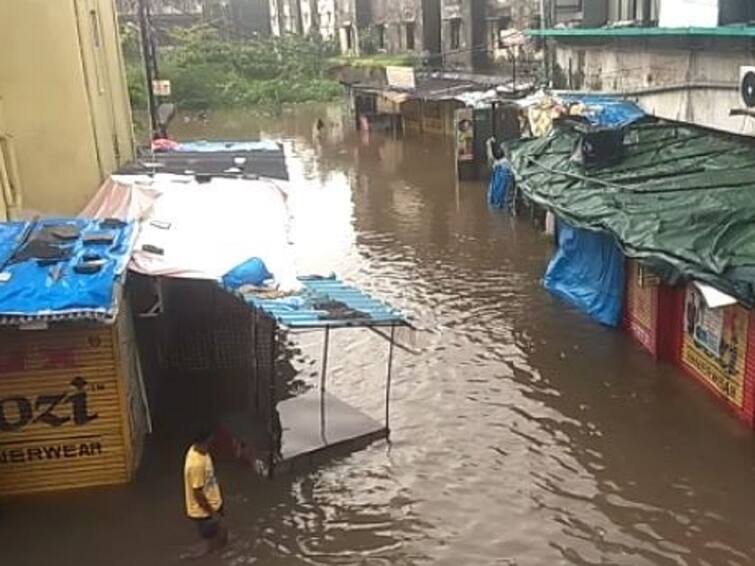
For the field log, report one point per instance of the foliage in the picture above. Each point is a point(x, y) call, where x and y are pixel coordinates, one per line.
point(137, 86)
point(208, 70)
point(130, 42)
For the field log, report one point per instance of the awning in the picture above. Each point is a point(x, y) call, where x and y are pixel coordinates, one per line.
point(681, 199)
point(325, 303)
point(201, 230)
point(713, 297)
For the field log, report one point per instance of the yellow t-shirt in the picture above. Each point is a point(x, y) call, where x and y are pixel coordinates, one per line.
point(200, 473)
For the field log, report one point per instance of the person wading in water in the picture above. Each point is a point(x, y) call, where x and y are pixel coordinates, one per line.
point(204, 501)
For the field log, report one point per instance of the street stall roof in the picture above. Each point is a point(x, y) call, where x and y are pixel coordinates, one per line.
point(325, 302)
point(447, 87)
point(218, 158)
point(62, 269)
point(679, 198)
point(604, 111)
point(201, 230)
point(215, 146)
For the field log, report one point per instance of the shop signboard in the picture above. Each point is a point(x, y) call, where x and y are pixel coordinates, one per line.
point(161, 88)
point(61, 410)
point(464, 134)
point(715, 344)
point(401, 77)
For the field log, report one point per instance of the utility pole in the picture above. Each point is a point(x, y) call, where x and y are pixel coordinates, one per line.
point(150, 62)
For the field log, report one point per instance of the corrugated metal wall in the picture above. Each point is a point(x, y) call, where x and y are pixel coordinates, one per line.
point(62, 408)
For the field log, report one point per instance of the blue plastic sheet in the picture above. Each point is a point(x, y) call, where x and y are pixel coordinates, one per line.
point(327, 302)
point(251, 272)
point(588, 272)
point(10, 235)
point(607, 111)
point(500, 181)
point(37, 289)
point(215, 146)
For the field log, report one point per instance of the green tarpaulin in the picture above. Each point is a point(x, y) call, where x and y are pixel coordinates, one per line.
point(682, 199)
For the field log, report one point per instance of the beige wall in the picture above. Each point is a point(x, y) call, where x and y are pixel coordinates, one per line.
point(657, 77)
point(64, 99)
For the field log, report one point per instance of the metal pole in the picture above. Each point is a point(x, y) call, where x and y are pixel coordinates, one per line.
point(388, 383)
point(543, 26)
point(323, 376)
point(149, 67)
point(513, 79)
point(273, 402)
point(256, 353)
point(325, 348)
point(493, 124)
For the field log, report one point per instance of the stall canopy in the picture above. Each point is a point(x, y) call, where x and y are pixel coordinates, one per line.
point(317, 421)
point(324, 302)
point(201, 230)
point(264, 158)
point(681, 199)
point(235, 232)
point(62, 269)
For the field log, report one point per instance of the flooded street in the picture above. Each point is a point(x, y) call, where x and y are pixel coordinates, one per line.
point(522, 432)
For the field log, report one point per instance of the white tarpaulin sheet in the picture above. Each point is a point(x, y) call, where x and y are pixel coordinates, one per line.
point(201, 230)
point(713, 297)
point(688, 13)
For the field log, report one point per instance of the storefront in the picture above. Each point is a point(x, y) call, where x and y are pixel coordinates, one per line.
point(712, 342)
point(71, 411)
point(716, 348)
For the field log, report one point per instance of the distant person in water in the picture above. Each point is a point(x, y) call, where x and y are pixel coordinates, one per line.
point(204, 501)
point(502, 179)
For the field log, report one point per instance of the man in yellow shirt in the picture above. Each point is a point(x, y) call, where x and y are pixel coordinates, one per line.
point(204, 502)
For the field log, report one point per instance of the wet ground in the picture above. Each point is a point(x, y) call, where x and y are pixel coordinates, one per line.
point(522, 432)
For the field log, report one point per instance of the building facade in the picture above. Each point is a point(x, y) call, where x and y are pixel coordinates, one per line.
point(457, 34)
point(303, 17)
point(65, 117)
point(679, 59)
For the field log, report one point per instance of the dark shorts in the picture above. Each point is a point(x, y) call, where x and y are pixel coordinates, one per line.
point(208, 528)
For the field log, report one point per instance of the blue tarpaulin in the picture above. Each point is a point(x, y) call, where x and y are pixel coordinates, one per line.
point(80, 283)
point(216, 146)
point(11, 234)
point(252, 272)
point(588, 272)
point(606, 111)
point(500, 181)
point(326, 302)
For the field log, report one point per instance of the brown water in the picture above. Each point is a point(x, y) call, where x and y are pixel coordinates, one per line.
point(522, 432)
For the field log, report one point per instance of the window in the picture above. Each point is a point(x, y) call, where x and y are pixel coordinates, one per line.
point(410, 35)
point(503, 25)
point(349, 35)
point(381, 36)
point(456, 33)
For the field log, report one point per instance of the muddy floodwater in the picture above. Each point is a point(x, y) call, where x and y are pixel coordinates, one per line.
point(522, 432)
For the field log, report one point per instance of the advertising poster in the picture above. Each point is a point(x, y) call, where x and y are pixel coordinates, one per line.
point(715, 344)
point(642, 304)
point(464, 135)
